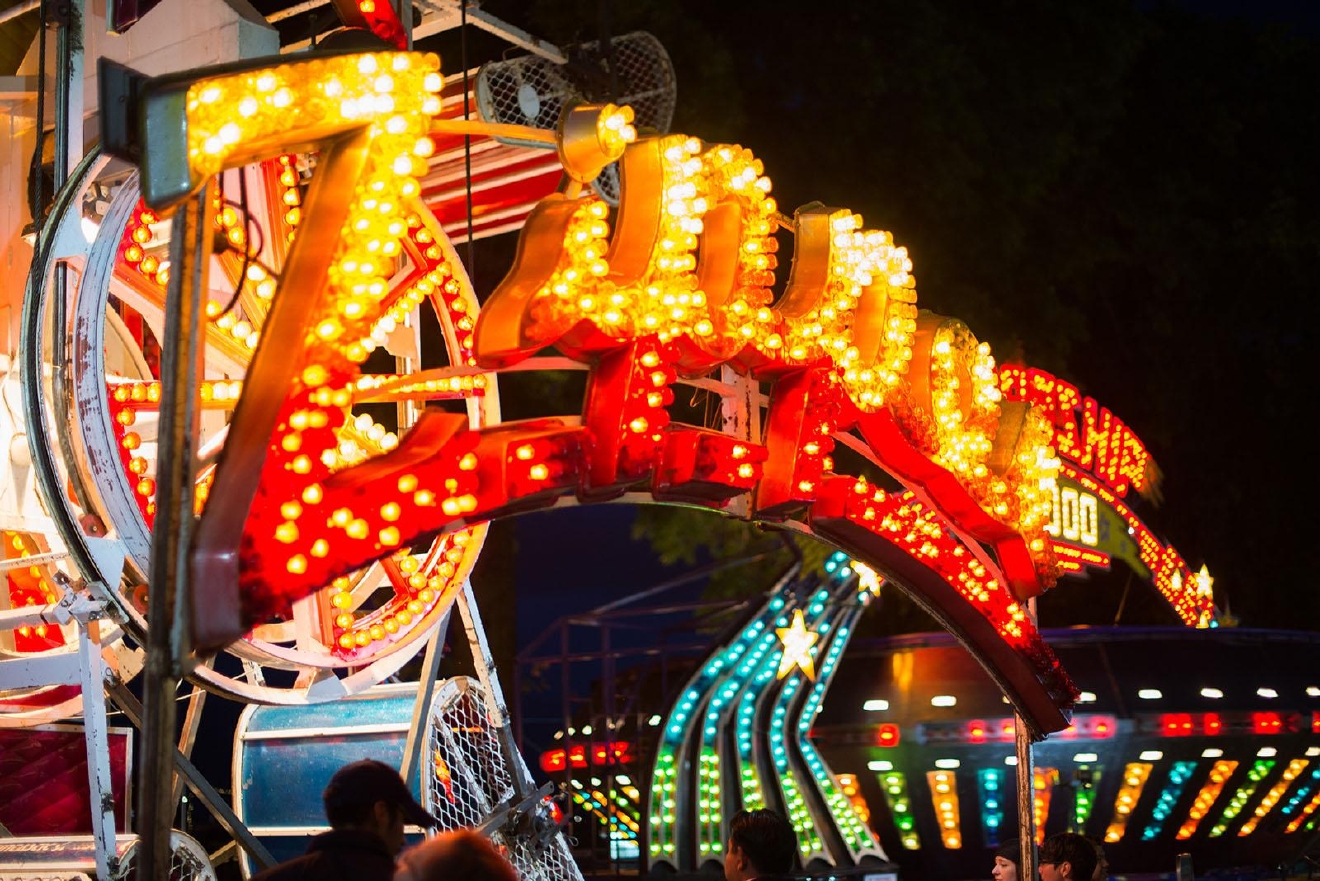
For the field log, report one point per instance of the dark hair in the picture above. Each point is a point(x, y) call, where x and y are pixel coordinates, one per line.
point(766, 838)
point(346, 815)
point(1010, 850)
point(1069, 847)
point(459, 854)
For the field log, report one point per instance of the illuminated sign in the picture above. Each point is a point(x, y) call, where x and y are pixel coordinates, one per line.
point(1091, 524)
point(681, 285)
point(1076, 516)
point(1085, 433)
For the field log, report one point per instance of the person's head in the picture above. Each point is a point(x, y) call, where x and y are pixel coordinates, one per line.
point(760, 843)
point(1007, 857)
point(1067, 857)
point(461, 853)
point(371, 796)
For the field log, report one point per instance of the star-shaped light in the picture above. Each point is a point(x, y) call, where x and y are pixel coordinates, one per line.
point(797, 641)
point(1203, 583)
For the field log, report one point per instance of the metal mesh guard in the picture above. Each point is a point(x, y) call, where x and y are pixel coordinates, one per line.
point(534, 91)
point(468, 776)
point(188, 860)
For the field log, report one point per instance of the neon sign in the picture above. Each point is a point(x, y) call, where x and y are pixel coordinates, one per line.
point(1103, 459)
point(681, 286)
point(1076, 516)
point(1085, 433)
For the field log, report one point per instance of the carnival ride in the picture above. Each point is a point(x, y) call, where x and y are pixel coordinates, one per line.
point(232, 440)
point(1200, 740)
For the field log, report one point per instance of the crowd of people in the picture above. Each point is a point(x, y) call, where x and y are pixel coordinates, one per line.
point(367, 805)
point(1066, 856)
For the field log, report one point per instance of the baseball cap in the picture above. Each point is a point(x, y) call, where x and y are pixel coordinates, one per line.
point(368, 781)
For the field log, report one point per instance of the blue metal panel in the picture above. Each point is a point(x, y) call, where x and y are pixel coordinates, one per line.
point(393, 704)
point(283, 779)
point(285, 756)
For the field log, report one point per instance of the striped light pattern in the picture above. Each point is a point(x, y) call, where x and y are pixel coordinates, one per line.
point(1135, 776)
point(1179, 774)
point(944, 797)
point(1267, 804)
point(1259, 771)
point(1206, 798)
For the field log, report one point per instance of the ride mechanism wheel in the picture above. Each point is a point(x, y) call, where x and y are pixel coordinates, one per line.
point(98, 304)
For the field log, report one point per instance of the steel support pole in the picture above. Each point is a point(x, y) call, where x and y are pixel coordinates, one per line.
point(417, 729)
point(1026, 784)
point(167, 614)
point(192, 720)
point(200, 786)
point(98, 747)
point(1026, 796)
point(68, 90)
point(498, 709)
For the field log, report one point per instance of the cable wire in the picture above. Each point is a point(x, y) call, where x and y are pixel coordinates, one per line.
point(467, 140)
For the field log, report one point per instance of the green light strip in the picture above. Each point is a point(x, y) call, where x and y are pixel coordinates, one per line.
point(1259, 770)
point(894, 784)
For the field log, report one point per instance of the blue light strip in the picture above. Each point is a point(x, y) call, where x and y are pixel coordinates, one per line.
point(668, 788)
point(1304, 790)
point(989, 783)
point(810, 843)
point(1179, 774)
point(855, 833)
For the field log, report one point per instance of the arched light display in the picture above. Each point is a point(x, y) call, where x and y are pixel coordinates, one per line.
point(749, 745)
point(678, 283)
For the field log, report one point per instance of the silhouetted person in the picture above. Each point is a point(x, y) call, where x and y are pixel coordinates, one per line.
point(1067, 857)
point(366, 804)
point(451, 856)
point(1008, 855)
point(762, 846)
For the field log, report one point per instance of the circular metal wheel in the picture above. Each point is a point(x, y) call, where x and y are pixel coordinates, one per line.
point(94, 325)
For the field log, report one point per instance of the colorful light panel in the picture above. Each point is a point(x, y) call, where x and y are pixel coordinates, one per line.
point(894, 784)
point(1084, 801)
point(989, 783)
point(1290, 773)
point(1306, 812)
point(944, 798)
point(1298, 798)
point(1259, 771)
point(1179, 774)
point(1135, 775)
point(1205, 799)
point(1042, 789)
